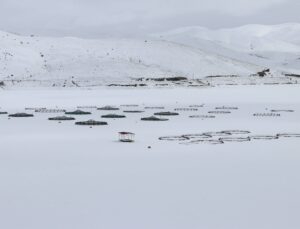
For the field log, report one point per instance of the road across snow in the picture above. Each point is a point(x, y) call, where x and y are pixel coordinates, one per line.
point(58, 175)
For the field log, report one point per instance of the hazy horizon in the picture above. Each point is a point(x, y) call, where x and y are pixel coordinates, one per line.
point(96, 18)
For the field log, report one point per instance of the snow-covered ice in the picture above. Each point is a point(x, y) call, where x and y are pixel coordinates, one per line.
point(58, 175)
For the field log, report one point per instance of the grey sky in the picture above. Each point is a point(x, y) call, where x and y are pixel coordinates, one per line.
point(93, 18)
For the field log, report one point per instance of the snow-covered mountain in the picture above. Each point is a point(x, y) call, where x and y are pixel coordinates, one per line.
point(190, 52)
point(273, 46)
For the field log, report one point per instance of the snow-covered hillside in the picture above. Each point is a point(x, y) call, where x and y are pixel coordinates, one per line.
point(24, 57)
point(273, 46)
point(190, 52)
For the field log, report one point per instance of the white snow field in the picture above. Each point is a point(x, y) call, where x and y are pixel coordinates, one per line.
point(63, 176)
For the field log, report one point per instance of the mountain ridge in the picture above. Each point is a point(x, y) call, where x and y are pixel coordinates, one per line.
point(192, 53)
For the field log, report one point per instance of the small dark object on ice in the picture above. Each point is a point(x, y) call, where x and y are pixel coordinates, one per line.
point(263, 73)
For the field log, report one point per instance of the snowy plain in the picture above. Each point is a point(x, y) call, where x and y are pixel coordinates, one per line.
point(58, 175)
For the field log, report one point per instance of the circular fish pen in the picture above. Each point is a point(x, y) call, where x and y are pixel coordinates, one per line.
point(193, 106)
point(288, 111)
point(87, 107)
point(225, 136)
point(20, 115)
point(78, 112)
point(153, 118)
point(34, 108)
point(264, 137)
point(158, 108)
point(108, 108)
point(226, 108)
point(50, 111)
point(203, 116)
point(113, 116)
point(166, 113)
point(216, 134)
point(61, 118)
point(236, 132)
point(174, 138)
point(197, 136)
point(133, 111)
point(266, 115)
point(235, 139)
point(203, 141)
point(219, 112)
point(129, 105)
point(288, 135)
point(91, 123)
point(185, 109)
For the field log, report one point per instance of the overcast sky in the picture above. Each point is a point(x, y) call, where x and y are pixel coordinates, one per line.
point(94, 18)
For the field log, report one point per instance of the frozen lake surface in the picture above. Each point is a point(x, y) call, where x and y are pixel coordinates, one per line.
point(59, 175)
